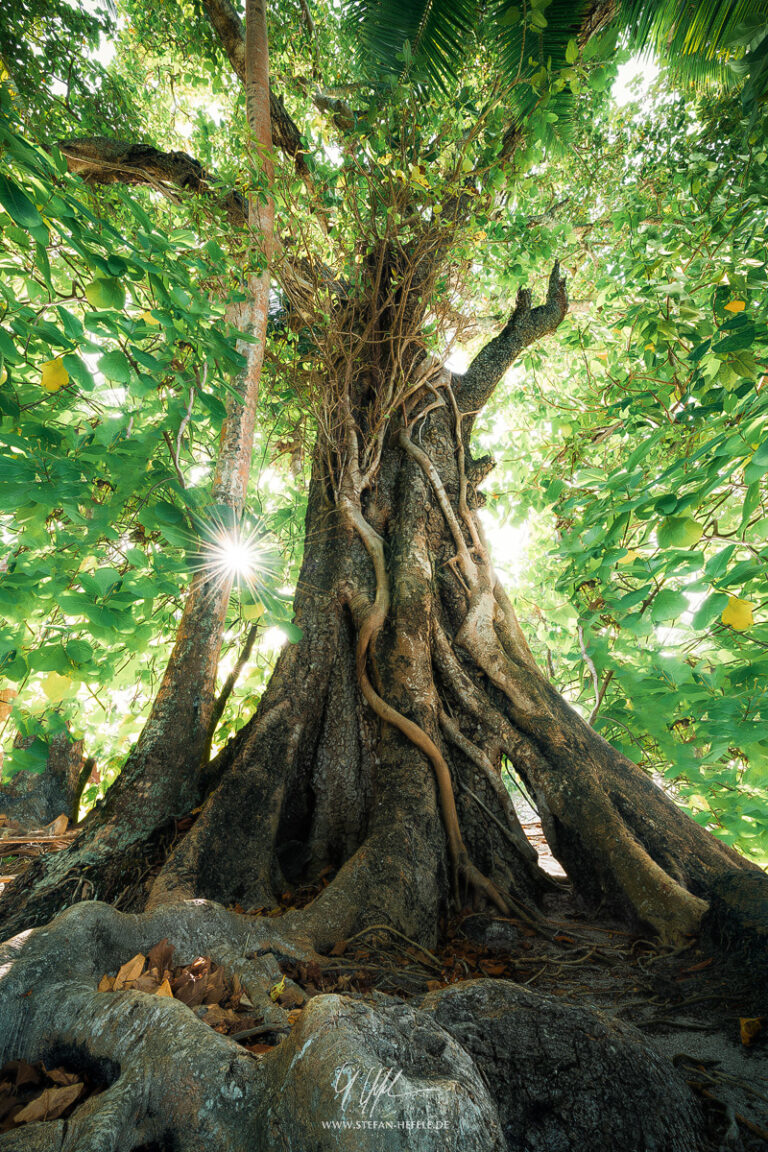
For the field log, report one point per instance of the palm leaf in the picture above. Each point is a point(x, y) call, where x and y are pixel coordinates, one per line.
point(698, 41)
point(428, 38)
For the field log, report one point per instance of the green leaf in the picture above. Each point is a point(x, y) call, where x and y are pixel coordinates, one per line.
point(116, 366)
point(18, 205)
point(668, 605)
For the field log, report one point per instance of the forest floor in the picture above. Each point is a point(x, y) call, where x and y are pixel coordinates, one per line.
point(699, 1011)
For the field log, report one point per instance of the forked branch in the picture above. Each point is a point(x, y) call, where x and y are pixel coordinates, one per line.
point(525, 325)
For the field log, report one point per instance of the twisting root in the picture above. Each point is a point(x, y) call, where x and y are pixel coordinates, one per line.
point(369, 618)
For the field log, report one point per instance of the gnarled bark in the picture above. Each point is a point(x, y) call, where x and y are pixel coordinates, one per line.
point(470, 1069)
point(411, 681)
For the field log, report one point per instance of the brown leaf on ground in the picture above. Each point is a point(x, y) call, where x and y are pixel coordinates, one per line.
point(164, 989)
point(199, 967)
point(294, 1016)
point(50, 1104)
point(492, 969)
point(145, 983)
point(216, 987)
point(339, 948)
point(131, 970)
point(106, 984)
point(160, 956)
point(61, 1076)
point(57, 826)
point(260, 1049)
point(191, 985)
point(24, 1073)
point(215, 1016)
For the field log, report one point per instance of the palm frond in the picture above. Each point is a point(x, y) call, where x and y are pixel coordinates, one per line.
point(698, 41)
point(429, 38)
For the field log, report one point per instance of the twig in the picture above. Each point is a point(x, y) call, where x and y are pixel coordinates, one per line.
point(593, 671)
point(394, 932)
point(174, 458)
point(231, 680)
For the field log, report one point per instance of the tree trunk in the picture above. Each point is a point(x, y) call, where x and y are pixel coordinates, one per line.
point(376, 750)
point(34, 799)
point(374, 760)
point(159, 779)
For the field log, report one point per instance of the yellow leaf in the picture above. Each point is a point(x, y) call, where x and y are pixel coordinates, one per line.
point(735, 306)
point(56, 687)
point(106, 984)
point(630, 556)
point(277, 989)
point(251, 611)
point(738, 614)
point(131, 970)
point(54, 375)
point(164, 989)
point(148, 318)
point(3, 375)
point(749, 1026)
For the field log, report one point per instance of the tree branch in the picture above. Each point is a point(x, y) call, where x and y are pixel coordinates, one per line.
point(100, 160)
point(525, 325)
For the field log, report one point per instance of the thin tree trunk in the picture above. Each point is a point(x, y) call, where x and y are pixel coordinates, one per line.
point(162, 773)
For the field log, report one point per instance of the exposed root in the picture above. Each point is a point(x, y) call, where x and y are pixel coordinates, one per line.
point(437, 1076)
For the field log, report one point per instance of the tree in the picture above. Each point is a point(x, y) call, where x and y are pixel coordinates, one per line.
point(410, 682)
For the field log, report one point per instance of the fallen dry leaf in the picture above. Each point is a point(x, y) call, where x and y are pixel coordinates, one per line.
point(749, 1027)
point(57, 826)
point(164, 989)
point(215, 1015)
point(106, 984)
point(131, 970)
point(50, 1104)
point(216, 987)
point(61, 1076)
point(145, 983)
point(24, 1073)
point(160, 956)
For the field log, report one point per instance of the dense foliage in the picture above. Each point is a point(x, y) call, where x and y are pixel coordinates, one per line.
point(628, 500)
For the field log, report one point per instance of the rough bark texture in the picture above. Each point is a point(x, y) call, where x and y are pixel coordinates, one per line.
point(474, 1064)
point(412, 680)
point(34, 799)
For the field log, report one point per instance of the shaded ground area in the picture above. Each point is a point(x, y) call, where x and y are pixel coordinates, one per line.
point(705, 1014)
point(19, 844)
